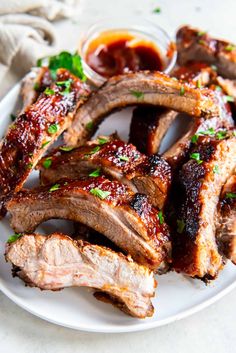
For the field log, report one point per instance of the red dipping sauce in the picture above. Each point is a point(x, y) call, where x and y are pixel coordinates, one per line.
point(114, 53)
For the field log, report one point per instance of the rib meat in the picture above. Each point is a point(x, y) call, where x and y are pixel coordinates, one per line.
point(109, 207)
point(140, 88)
point(226, 220)
point(195, 250)
point(193, 44)
point(117, 159)
point(56, 261)
point(35, 130)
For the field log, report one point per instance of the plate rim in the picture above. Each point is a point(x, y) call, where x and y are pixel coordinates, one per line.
point(114, 329)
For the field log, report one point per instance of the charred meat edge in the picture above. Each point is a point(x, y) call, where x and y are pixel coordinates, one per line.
point(111, 208)
point(149, 125)
point(117, 159)
point(194, 44)
point(226, 220)
point(35, 130)
point(195, 250)
point(57, 261)
point(140, 88)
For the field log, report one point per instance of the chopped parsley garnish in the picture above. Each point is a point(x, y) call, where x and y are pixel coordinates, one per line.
point(53, 129)
point(45, 144)
point(67, 85)
point(160, 217)
point(54, 187)
point(230, 195)
point(234, 133)
point(221, 135)
point(95, 150)
point(182, 91)
point(137, 94)
point(196, 157)
point(199, 84)
point(102, 141)
point(14, 237)
point(202, 42)
point(180, 226)
point(89, 126)
point(66, 148)
point(48, 91)
point(100, 193)
point(209, 132)
point(13, 117)
point(36, 86)
point(216, 169)
point(29, 165)
point(157, 10)
point(194, 138)
point(228, 99)
point(124, 158)
point(201, 33)
point(230, 47)
point(95, 173)
point(47, 162)
point(218, 88)
point(66, 60)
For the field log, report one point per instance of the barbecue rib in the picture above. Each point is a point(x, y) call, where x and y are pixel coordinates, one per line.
point(193, 44)
point(140, 88)
point(226, 227)
point(109, 207)
point(212, 161)
point(36, 129)
point(56, 261)
point(117, 159)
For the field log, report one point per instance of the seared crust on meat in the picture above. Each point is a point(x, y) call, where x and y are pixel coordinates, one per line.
point(35, 130)
point(107, 206)
point(56, 261)
point(154, 88)
point(117, 159)
point(193, 44)
point(195, 250)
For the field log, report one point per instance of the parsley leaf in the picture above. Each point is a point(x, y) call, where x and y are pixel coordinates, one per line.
point(53, 129)
point(95, 173)
point(230, 47)
point(124, 158)
point(102, 141)
point(67, 85)
point(196, 157)
point(180, 226)
point(230, 195)
point(216, 169)
point(160, 217)
point(137, 94)
point(221, 135)
point(100, 193)
point(66, 148)
point(47, 162)
point(48, 91)
point(89, 126)
point(14, 237)
point(54, 187)
point(182, 91)
point(228, 99)
point(157, 10)
point(45, 144)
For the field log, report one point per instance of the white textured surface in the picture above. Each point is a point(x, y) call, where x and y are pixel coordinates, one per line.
point(212, 330)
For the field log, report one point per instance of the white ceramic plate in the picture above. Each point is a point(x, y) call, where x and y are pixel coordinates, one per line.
point(177, 296)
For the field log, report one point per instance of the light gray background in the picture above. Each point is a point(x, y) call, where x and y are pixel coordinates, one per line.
point(212, 330)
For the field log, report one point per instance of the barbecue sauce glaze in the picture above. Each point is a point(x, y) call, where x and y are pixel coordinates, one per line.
point(114, 53)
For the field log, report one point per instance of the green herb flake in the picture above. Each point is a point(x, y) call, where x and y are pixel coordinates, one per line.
point(89, 126)
point(95, 150)
point(53, 129)
point(202, 42)
point(66, 148)
point(100, 193)
point(209, 131)
point(39, 62)
point(95, 173)
point(216, 169)
point(228, 99)
point(47, 162)
point(67, 85)
point(182, 91)
point(221, 135)
point(160, 217)
point(48, 91)
point(230, 47)
point(230, 195)
point(180, 226)
point(29, 165)
point(201, 33)
point(54, 187)
point(36, 86)
point(14, 237)
point(218, 88)
point(66, 60)
point(124, 158)
point(196, 157)
point(102, 141)
point(194, 138)
point(137, 94)
point(157, 10)
point(45, 144)
point(13, 117)
point(199, 83)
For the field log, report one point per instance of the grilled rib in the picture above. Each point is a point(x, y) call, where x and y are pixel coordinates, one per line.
point(56, 261)
point(111, 208)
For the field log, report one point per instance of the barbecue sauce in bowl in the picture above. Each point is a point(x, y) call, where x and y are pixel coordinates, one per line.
point(113, 53)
